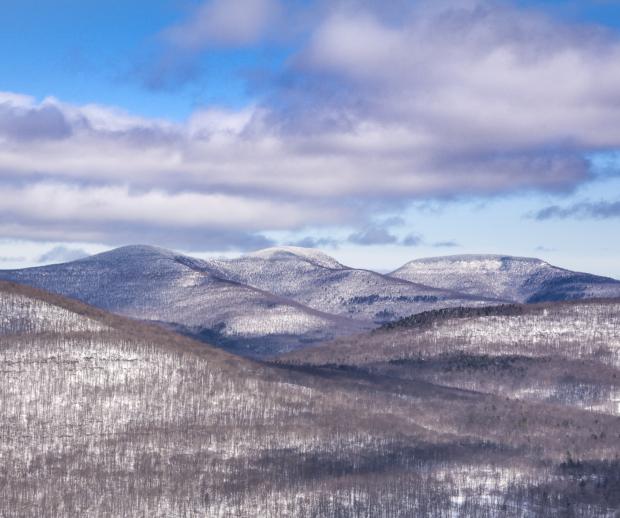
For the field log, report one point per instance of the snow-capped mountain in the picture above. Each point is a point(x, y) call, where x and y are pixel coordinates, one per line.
point(155, 284)
point(518, 279)
point(320, 282)
point(280, 299)
point(265, 302)
point(309, 255)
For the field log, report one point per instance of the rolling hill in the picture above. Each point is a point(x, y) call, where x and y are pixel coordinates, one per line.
point(107, 416)
point(263, 303)
point(320, 282)
point(563, 353)
point(155, 284)
point(517, 279)
point(281, 299)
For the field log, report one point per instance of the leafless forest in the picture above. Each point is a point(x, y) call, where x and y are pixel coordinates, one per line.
point(476, 415)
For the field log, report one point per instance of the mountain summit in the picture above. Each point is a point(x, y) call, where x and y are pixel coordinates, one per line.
point(258, 304)
point(318, 281)
point(518, 279)
point(311, 255)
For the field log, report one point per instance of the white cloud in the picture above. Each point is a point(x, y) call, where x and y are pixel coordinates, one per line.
point(17, 100)
point(476, 79)
point(241, 153)
point(227, 22)
point(59, 203)
point(218, 121)
point(376, 110)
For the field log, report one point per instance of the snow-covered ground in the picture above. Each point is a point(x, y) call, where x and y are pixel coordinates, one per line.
point(103, 416)
point(21, 314)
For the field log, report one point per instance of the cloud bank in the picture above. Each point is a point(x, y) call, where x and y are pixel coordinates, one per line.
point(378, 106)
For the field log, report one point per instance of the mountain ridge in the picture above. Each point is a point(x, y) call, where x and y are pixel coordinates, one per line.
point(517, 279)
point(570, 350)
point(150, 283)
point(312, 255)
point(283, 298)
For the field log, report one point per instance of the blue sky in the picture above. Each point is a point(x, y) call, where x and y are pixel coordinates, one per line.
point(380, 132)
point(84, 52)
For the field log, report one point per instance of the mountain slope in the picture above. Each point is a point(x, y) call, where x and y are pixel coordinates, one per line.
point(280, 299)
point(320, 282)
point(518, 279)
point(105, 416)
point(271, 301)
point(566, 352)
point(154, 284)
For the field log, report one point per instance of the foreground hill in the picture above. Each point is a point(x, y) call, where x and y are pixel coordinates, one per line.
point(156, 284)
point(517, 279)
point(105, 416)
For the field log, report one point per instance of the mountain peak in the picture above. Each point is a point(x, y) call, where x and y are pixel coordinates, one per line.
point(488, 259)
point(520, 279)
point(311, 255)
point(139, 250)
point(132, 252)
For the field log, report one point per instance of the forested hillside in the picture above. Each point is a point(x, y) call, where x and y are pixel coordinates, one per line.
point(565, 353)
point(105, 416)
point(281, 299)
point(187, 294)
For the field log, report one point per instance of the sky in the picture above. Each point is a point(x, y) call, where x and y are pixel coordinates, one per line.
point(379, 132)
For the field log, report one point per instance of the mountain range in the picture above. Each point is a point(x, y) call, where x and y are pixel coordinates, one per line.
point(282, 299)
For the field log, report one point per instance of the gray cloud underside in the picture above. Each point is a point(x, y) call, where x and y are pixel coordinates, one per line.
point(381, 106)
point(446, 244)
point(200, 239)
point(381, 235)
point(582, 210)
point(10, 259)
point(373, 236)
